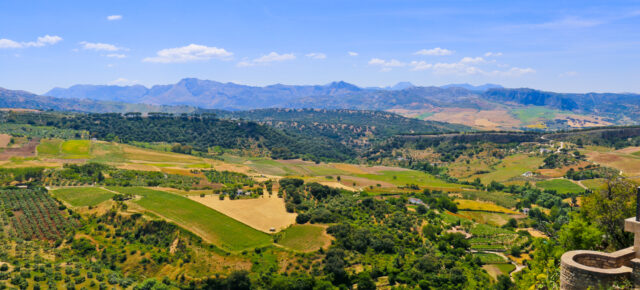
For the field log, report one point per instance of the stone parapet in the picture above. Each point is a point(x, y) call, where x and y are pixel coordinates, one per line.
point(583, 269)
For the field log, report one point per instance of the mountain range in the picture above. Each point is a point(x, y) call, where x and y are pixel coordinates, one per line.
point(341, 95)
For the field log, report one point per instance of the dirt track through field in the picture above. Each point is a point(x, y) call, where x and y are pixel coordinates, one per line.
point(261, 213)
point(27, 150)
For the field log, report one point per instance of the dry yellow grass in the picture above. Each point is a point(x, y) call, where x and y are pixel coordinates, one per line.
point(466, 204)
point(336, 184)
point(349, 168)
point(260, 213)
point(4, 140)
point(627, 163)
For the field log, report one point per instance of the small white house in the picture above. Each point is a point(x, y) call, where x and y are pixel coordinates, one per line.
point(413, 200)
point(525, 210)
point(528, 174)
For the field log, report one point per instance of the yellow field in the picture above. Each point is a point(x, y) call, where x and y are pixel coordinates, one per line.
point(260, 213)
point(465, 204)
point(4, 140)
point(510, 167)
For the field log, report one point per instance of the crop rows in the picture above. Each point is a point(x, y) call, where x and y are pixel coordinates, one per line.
point(35, 214)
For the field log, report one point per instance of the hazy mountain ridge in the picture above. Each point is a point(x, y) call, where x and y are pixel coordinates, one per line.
point(341, 95)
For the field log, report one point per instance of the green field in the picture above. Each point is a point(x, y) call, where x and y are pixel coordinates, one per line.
point(562, 186)
point(83, 196)
point(303, 238)
point(532, 114)
point(510, 167)
point(594, 184)
point(76, 149)
point(213, 226)
point(49, 147)
point(401, 178)
point(490, 258)
point(107, 152)
point(506, 268)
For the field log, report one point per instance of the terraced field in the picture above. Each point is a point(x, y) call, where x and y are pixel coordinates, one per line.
point(304, 238)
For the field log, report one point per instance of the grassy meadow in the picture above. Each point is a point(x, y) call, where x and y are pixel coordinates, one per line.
point(304, 238)
point(83, 196)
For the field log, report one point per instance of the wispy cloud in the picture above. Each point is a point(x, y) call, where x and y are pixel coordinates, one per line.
point(468, 66)
point(386, 65)
point(267, 59)
point(352, 53)
point(98, 46)
point(434, 51)
point(40, 42)
point(492, 54)
point(189, 53)
point(114, 17)
point(123, 82)
point(116, 55)
point(316, 55)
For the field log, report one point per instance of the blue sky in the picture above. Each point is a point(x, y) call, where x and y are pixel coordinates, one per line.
point(566, 46)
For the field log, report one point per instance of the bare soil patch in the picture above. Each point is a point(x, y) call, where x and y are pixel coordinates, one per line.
point(27, 150)
point(4, 140)
point(261, 213)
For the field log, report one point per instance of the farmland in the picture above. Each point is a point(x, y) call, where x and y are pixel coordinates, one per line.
point(210, 224)
point(34, 214)
point(562, 186)
point(304, 238)
point(262, 213)
point(83, 196)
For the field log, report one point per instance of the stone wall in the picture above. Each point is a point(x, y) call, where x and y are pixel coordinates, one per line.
point(582, 269)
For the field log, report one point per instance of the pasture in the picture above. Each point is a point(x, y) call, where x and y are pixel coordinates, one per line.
point(49, 147)
point(213, 226)
point(489, 218)
point(562, 186)
point(83, 196)
point(304, 238)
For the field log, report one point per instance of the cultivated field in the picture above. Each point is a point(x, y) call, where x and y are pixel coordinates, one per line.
point(83, 196)
point(510, 167)
point(305, 238)
point(562, 186)
point(465, 204)
point(261, 213)
point(628, 163)
point(211, 225)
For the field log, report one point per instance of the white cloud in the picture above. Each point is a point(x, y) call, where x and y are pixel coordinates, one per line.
point(474, 60)
point(267, 59)
point(316, 55)
point(420, 65)
point(492, 54)
point(97, 46)
point(386, 65)
point(434, 51)
point(189, 53)
point(468, 66)
point(114, 17)
point(123, 82)
point(40, 42)
point(116, 55)
point(351, 53)
point(8, 43)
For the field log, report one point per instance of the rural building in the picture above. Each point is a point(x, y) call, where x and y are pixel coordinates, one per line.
point(525, 210)
point(413, 200)
point(598, 270)
point(528, 174)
